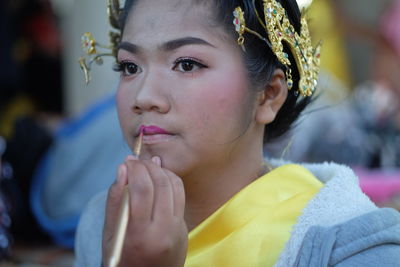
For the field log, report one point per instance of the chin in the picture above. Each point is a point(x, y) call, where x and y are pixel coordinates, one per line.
point(176, 166)
point(168, 161)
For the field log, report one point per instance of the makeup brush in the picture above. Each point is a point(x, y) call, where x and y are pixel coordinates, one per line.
point(122, 223)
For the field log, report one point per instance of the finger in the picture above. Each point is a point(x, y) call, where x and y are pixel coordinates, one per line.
point(178, 193)
point(163, 193)
point(130, 157)
point(141, 192)
point(114, 200)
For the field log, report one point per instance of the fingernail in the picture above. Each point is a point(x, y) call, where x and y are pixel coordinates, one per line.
point(130, 157)
point(156, 160)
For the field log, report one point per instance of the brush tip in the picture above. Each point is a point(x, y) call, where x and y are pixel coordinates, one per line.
point(138, 145)
point(141, 130)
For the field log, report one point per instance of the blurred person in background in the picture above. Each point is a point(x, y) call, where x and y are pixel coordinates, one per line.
point(368, 132)
point(359, 126)
point(49, 152)
point(377, 100)
point(387, 72)
point(30, 99)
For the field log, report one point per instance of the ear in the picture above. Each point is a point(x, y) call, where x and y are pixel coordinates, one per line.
point(271, 99)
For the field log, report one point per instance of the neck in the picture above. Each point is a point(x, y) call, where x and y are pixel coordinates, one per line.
point(207, 190)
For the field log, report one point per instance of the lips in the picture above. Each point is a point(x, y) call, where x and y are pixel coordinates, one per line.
point(152, 130)
point(153, 135)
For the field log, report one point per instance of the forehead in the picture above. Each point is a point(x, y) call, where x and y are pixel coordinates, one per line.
point(170, 19)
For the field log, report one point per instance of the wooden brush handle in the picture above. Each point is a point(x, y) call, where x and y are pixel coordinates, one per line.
point(120, 232)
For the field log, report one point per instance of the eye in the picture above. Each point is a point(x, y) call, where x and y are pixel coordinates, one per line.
point(127, 68)
point(188, 65)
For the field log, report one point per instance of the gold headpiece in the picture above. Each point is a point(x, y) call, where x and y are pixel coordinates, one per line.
point(280, 31)
point(90, 45)
point(277, 26)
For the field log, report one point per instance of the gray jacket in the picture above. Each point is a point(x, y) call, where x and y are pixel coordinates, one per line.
point(340, 227)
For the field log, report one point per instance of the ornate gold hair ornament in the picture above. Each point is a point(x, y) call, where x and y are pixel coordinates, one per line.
point(276, 24)
point(90, 45)
point(280, 32)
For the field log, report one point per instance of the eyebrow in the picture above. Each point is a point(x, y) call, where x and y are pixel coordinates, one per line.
point(134, 49)
point(177, 43)
point(167, 46)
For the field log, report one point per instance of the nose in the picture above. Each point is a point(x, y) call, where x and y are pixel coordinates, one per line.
point(152, 94)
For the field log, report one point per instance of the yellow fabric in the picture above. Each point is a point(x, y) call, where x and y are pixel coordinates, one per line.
point(252, 228)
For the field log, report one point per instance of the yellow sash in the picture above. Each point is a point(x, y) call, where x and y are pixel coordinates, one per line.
point(252, 228)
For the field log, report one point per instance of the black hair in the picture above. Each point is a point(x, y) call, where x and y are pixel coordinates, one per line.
point(258, 57)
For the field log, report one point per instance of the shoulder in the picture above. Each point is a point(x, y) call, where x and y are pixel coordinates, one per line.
point(89, 233)
point(338, 201)
point(340, 198)
point(372, 239)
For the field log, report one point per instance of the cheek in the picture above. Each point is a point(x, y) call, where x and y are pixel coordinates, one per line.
point(124, 106)
point(231, 93)
point(228, 96)
point(220, 104)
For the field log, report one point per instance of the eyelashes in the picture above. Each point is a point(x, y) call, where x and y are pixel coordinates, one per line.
point(126, 68)
point(188, 64)
point(183, 65)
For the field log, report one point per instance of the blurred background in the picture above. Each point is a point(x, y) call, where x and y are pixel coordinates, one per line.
point(60, 141)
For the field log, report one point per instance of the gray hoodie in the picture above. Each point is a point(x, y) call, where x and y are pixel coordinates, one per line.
point(340, 226)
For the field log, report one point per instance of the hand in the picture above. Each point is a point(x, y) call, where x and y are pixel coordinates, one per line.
point(156, 234)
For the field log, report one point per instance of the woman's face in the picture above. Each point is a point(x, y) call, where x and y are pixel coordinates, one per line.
point(185, 82)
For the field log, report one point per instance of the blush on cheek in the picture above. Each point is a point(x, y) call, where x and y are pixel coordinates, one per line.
point(222, 105)
point(231, 93)
point(123, 101)
point(124, 111)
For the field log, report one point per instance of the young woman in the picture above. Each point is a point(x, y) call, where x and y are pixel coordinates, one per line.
point(207, 93)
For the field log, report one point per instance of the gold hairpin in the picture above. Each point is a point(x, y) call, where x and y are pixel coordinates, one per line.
point(90, 46)
point(280, 32)
point(240, 27)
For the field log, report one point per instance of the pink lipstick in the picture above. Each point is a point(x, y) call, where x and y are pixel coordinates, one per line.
point(152, 130)
point(154, 135)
